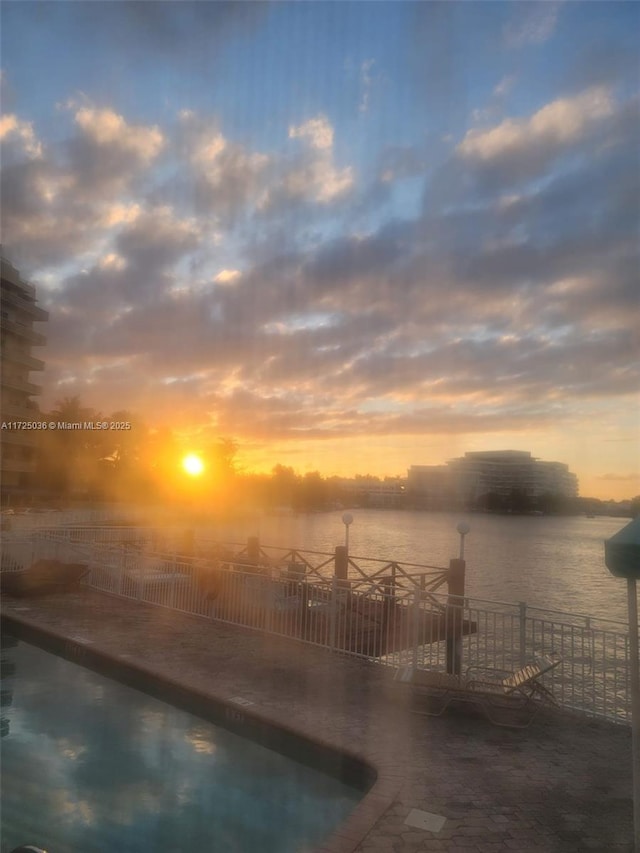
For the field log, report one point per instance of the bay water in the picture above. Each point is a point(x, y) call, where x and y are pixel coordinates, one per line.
point(551, 562)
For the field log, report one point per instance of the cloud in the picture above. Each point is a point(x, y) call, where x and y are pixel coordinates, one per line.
point(21, 132)
point(559, 138)
point(108, 154)
point(157, 238)
point(227, 277)
point(518, 352)
point(356, 267)
point(487, 308)
point(317, 180)
point(58, 200)
point(318, 131)
point(108, 129)
point(223, 178)
point(532, 24)
point(57, 205)
point(554, 127)
point(41, 222)
point(313, 176)
point(112, 261)
point(119, 213)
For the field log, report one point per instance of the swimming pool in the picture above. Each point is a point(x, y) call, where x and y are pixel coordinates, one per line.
point(91, 765)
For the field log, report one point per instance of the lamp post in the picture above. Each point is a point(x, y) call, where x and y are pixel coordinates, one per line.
point(347, 519)
point(455, 606)
point(632, 604)
point(462, 528)
point(622, 558)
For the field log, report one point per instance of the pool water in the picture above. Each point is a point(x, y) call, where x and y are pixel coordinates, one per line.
point(92, 766)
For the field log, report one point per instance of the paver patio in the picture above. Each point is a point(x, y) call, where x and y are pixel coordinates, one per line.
point(564, 784)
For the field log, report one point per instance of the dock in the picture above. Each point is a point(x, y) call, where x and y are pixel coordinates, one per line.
point(362, 621)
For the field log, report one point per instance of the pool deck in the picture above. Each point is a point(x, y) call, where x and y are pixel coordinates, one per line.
point(564, 784)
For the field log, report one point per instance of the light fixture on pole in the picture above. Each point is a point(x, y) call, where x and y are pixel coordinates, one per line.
point(347, 519)
point(622, 558)
point(462, 528)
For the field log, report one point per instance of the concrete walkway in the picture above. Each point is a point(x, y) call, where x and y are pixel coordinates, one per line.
point(562, 785)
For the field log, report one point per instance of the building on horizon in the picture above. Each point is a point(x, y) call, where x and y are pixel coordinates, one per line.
point(387, 493)
point(19, 312)
point(491, 479)
point(431, 486)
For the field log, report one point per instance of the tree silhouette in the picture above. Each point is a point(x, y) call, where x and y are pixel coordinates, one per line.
point(67, 459)
point(283, 485)
point(312, 492)
point(71, 410)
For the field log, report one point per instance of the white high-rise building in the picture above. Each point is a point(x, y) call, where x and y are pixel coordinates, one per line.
point(500, 473)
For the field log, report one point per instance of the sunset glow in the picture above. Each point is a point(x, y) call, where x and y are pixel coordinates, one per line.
point(193, 465)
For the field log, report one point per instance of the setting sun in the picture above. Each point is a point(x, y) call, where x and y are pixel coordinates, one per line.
point(193, 465)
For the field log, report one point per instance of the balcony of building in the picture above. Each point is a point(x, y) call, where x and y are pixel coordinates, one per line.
point(16, 383)
point(24, 303)
point(23, 331)
point(15, 411)
point(19, 355)
point(10, 274)
point(17, 437)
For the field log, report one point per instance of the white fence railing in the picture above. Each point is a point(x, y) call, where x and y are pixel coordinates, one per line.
point(391, 626)
point(37, 519)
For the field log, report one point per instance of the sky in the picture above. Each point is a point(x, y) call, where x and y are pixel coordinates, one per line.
point(354, 237)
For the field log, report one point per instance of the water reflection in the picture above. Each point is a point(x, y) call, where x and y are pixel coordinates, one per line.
point(200, 741)
point(92, 765)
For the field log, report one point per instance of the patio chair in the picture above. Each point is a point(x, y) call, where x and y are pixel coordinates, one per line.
point(43, 577)
point(507, 698)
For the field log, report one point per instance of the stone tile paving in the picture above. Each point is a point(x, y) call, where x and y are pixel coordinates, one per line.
point(562, 785)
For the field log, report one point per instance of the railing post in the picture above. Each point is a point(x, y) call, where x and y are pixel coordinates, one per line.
point(592, 659)
point(415, 624)
point(341, 569)
point(333, 616)
point(388, 590)
point(121, 556)
point(253, 550)
point(304, 608)
point(174, 582)
point(453, 616)
point(522, 605)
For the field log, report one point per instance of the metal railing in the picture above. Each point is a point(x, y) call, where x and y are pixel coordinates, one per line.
point(371, 571)
point(295, 594)
point(35, 519)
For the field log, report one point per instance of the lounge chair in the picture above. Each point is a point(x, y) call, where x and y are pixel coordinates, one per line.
point(507, 698)
point(43, 577)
